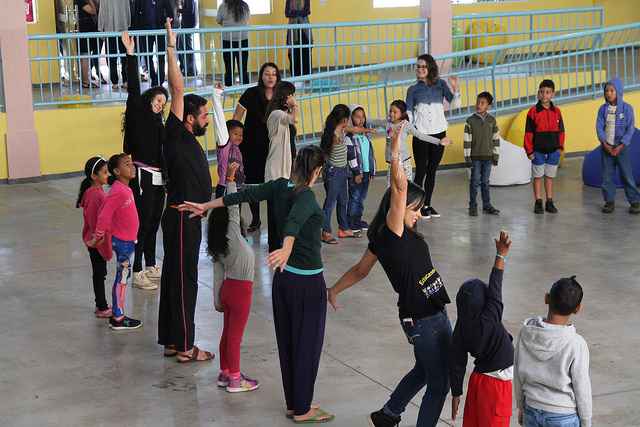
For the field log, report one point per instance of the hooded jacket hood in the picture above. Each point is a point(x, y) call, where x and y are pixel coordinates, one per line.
point(543, 340)
point(470, 302)
point(354, 107)
point(617, 84)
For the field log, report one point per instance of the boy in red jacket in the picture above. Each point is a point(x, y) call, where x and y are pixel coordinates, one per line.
point(543, 142)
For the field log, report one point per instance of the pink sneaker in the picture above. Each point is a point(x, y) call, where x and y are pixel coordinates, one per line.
point(103, 314)
point(223, 380)
point(242, 384)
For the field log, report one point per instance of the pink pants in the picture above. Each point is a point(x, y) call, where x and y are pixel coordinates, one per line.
point(235, 297)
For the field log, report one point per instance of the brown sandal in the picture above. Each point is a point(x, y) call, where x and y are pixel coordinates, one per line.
point(193, 357)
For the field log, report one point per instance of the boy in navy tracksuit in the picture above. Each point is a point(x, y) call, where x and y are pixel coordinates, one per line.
point(615, 127)
point(479, 332)
point(362, 163)
point(543, 142)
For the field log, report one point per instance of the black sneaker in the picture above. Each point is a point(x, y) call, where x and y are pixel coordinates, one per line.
point(608, 207)
point(364, 226)
point(434, 213)
point(425, 212)
point(538, 209)
point(124, 324)
point(634, 209)
point(550, 207)
point(491, 211)
point(380, 419)
point(473, 211)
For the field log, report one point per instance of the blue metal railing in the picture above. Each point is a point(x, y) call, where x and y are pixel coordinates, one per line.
point(579, 63)
point(483, 29)
point(306, 48)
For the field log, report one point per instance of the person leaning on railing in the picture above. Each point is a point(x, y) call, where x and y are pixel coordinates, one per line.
point(87, 23)
point(115, 16)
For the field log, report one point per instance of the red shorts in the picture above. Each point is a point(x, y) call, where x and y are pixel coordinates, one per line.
point(488, 402)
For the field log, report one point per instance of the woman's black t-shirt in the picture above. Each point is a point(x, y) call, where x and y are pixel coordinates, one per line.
point(255, 141)
point(407, 262)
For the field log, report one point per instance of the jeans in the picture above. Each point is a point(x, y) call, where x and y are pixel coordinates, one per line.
point(357, 195)
point(623, 161)
point(539, 418)
point(123, 251)
point(480, 172)
point(430, 337)
point(335, 184)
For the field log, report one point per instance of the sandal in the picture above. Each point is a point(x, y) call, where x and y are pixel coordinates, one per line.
point(319, 416)
point(289, 414)
point(90, 85)
point(193, 357)
point(328, 239)
point(170, 351)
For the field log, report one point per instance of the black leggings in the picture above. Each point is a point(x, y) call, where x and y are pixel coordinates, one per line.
point(237, 57)
point(427, 157)
point(99, 267)
point(150, 205)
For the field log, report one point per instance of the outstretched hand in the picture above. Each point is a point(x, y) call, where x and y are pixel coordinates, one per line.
point(196, 209)
point(128, 42)
point(277, 259)
point(332, 298)
point(503, 243)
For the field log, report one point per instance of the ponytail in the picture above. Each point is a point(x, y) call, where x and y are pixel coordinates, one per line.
point(339, 113)
point(92, 166)
point(114, 162)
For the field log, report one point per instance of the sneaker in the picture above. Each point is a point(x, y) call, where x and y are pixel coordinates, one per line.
point(538, 209)
point(141, 281)
point(550, 207)
point(425, 212)
point(153, 273)
point(242, 384)
point(634, 209)
point(608, 207)
point(491, 211)
point(380, 419)
point(364, 226)
point(473, 211)
point(124, 324)
point(103, 314)
point(223, 380)
point(434, 213)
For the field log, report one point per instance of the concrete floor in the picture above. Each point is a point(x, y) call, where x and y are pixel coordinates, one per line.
point(62, 367)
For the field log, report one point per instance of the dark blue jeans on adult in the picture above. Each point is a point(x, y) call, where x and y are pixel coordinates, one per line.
point(357, 195)
point(430, 337)
point(480, 173)
point(539, 418)
point(336, 186)
point(623, 161)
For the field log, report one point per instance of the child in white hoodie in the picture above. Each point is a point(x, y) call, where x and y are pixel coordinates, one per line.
point(551, 378)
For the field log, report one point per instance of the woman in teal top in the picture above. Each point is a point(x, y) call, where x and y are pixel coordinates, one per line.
point(299, 291)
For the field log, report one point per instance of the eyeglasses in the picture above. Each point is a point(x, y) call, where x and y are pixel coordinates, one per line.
point(421, 67)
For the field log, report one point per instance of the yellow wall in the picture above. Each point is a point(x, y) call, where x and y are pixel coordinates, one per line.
point(44, 71)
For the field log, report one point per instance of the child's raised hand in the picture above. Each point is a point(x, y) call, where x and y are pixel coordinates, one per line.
point(503, 243)
point(128, 42)
point(445, 141)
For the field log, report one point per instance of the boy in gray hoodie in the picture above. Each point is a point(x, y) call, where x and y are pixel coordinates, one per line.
point(551, 378)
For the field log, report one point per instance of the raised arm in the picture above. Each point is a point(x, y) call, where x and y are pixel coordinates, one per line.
point(133, 74)
point(494, 307)
point(395, 216)
point(238, 114)
point(176, 82)
point(249, 195)
point(234, 210)
point(410, 128)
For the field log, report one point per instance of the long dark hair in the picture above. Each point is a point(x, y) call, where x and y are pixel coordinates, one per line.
point(279, 100)
point(238, 8)
point(306, 162)
point(338, 114)
point(92, 166)
point(217, 240)
point(402, 106)
point(432, 68)
point(114, 163)
point(261, 87)
point(415, 196)
point(147, 96)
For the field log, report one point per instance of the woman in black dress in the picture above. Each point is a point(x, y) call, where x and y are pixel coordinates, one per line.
point(255, 144)
point(143, 139)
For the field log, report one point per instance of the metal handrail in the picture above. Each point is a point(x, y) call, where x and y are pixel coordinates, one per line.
point(529, 12)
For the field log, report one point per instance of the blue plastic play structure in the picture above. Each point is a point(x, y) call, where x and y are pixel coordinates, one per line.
point(592, 166)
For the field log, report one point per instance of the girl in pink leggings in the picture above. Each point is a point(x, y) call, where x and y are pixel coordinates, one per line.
point(233, 275)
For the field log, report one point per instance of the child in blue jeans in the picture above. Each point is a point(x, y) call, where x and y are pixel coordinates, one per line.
point(362, 162)
point(615, 127)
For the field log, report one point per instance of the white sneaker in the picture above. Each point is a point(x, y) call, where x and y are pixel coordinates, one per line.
point(153, 273)
point(141, 281)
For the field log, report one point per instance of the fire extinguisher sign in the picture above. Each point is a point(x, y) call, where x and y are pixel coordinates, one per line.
point(30, 11)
